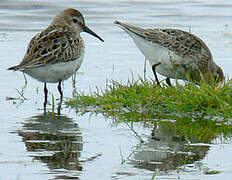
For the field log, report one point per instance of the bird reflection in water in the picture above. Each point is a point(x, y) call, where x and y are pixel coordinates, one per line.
point(165, 150)
point(54, 140)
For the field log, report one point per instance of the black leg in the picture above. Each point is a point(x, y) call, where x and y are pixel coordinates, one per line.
point(154, 71)
point(59, 107)
point(168, 82)
point(61, 97)
point(59, 89)
point(45, 96)
point(145, 68)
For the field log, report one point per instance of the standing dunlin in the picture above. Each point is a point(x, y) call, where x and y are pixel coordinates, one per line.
point(57, 52)
point(175, 54)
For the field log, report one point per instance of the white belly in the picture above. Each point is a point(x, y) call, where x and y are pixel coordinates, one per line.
point(156, 53)
point(55, 72)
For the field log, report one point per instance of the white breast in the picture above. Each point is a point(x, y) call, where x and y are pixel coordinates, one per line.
point(156, 53)
point(55, 72)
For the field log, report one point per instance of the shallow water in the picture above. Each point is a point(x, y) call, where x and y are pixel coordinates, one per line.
point(35, 145)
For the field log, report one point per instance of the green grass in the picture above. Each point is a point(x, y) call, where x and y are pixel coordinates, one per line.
point(150, 101)
point(189, 113)
point(188, 110)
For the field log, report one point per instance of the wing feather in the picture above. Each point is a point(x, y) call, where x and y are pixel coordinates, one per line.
point(182, 43)
point(53, 45)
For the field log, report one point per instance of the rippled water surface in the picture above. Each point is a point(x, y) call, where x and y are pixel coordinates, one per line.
point(35, 145)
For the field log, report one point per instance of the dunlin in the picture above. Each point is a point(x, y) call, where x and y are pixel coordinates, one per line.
point(57, 52)
point(175, 54)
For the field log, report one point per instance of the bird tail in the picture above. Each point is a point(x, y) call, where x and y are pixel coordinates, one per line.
point(13, 68)
point(130, 28)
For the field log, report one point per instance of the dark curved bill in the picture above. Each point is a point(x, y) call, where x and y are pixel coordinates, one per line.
point(87, 30)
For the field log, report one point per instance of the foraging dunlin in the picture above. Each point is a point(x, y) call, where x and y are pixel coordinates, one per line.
point(175, 54)
point(57, 52)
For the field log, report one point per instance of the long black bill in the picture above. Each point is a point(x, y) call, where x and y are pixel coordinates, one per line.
point(87, 30)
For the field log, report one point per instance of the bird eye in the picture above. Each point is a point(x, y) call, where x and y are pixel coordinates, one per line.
point(75, 20)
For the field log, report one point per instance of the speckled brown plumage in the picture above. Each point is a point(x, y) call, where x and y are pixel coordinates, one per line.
point(55, 44)
point(187, 53)
point(57, 52)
